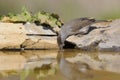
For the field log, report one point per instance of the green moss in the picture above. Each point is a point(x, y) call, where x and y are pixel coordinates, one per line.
point(47, 18)
point(25, 16)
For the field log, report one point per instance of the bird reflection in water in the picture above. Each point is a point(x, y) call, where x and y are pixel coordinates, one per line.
point(73, 71)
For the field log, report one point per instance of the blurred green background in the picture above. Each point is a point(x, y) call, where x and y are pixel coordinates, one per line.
point(66, 9)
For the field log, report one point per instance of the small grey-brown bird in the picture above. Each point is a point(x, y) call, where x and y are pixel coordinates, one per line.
point(75, 26)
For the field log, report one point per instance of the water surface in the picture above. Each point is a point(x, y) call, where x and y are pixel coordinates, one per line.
point(55, 65)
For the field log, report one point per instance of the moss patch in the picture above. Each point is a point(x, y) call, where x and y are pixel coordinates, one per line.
point(42, 17)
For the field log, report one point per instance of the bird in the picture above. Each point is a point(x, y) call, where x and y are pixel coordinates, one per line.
point(75, 26)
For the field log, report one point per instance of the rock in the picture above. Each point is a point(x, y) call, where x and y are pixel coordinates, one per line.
point(28, 36)
point(33, 29)
point(39, 37)
point(86, 42)
point(112, 37)
point(40, 42)
point(56, 29)
point(105, 37)
point(11, 35)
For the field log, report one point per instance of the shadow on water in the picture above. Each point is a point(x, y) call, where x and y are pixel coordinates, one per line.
point(56, 65)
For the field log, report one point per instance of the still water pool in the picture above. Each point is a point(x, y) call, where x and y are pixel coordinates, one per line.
point(55, 65)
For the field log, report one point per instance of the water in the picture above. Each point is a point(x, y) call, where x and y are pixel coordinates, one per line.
point(55, 65)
